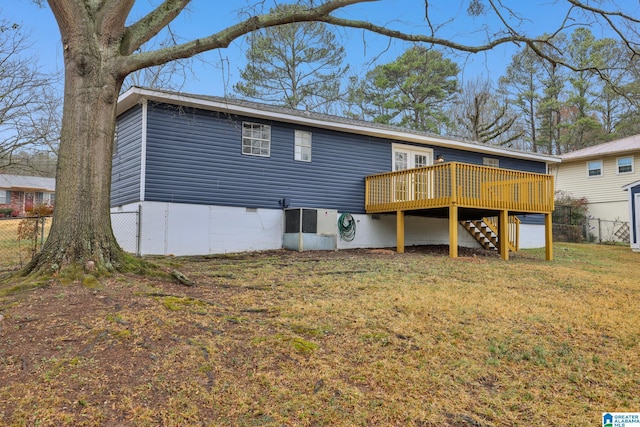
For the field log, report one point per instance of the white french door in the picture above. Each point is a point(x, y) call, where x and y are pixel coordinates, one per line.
point(410, 187)
point(409, 157)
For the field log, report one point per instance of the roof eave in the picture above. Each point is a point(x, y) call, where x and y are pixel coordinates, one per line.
point(135, 95)
point(600, 155)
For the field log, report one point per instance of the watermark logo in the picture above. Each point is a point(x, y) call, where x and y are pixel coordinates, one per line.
point(621, 419)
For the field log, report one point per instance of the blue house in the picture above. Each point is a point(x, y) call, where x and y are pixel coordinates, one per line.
point(214, 175)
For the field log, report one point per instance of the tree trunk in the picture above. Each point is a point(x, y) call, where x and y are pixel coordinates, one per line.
point(81, 229)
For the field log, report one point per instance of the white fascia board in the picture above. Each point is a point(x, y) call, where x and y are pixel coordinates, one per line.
point(616, 153)
point(132, 96)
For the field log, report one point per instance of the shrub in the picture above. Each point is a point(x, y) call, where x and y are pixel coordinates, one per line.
point(30, 228)
point(570, 210)
point(570, 216)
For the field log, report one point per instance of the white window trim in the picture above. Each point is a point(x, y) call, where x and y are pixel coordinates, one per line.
point(403, 189)
point(601, 168)
point(45, 198)
point(298, 139)
point(411, 149)
point(632, 165)
point(255, 139)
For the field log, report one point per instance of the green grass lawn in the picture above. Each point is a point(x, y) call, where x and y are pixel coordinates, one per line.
point(347, 338)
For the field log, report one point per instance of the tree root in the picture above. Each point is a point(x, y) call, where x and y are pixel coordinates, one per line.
point(182, 278)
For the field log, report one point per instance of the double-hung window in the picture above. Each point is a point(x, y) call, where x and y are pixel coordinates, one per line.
point(44, 198)
point(625, 165)
point(7, 197)
point(490, 161)
point(594, 168)
point(256, 139)
point(302, 146)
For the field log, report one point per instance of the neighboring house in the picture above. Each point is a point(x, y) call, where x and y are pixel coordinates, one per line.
point(215, 175)
point(599, 173)
point(22, 193)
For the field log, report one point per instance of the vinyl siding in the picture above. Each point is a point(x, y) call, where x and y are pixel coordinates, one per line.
point(125, 184)
point(452, 155)
point(571, 177)
point(532, 219)
point(194, 156)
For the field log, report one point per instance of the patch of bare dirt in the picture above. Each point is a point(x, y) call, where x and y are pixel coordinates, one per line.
point(86, 352)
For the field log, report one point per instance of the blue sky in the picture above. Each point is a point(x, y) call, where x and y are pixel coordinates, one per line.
point(219, 70)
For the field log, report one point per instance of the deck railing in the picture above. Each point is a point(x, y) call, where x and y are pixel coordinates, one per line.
point(459, 184)
point(514, 230)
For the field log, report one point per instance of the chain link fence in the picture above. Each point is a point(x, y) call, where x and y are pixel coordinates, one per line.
point(22, 238)
point(606, 231)
point(126, 228)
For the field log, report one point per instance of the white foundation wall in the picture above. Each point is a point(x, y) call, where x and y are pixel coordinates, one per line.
point(185, 229)
point(532, 236)
point(381, 232)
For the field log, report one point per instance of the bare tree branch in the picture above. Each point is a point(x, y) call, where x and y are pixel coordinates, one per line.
point(225, 37)
point(606, 15)
point(149, 26)
point(29, 111)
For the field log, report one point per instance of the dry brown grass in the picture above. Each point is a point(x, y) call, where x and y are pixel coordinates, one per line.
point(333, 338)
point(15, 252)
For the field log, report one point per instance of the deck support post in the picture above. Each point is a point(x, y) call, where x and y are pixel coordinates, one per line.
point(400, 232)
point(453, 231)
point(548, 236)
point(503, 234)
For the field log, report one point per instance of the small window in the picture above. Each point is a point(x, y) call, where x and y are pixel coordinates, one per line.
point(7, 197)
point(625, 165)
point(302, 146)
point(594, 168)
point(490, 161)
point(256, 139)
point(39, 198)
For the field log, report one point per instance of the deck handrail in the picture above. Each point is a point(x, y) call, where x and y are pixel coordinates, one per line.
point(460, 184)
point(514, 230)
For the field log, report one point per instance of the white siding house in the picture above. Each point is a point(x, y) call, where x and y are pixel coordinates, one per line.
point(599, 174)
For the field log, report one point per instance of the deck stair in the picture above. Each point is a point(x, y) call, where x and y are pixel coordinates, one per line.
point(485, 231)
point(457, 191)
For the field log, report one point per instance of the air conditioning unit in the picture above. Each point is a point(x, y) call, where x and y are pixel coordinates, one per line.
point(310, 229)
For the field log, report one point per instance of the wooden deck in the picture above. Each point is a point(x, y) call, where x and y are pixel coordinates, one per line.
point(460, 190)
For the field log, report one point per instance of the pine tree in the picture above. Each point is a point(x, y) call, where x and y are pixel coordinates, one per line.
point(298, 65)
